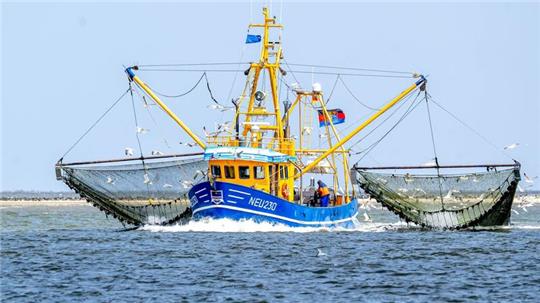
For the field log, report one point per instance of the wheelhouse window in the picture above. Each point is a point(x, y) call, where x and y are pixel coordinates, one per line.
point(216, 171)
point(258, 172)
point(229, 172)
point(243, 172)
point(283, 172)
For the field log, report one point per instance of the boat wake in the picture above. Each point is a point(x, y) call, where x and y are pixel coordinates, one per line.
point(248, 226)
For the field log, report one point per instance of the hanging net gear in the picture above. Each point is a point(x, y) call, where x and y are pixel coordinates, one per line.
point(148, 192)
point(445, 201)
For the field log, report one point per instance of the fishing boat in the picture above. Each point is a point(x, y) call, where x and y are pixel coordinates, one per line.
point(265, 168)
point(253, 172)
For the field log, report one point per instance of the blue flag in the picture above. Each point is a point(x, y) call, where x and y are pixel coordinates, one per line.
point(253, 38)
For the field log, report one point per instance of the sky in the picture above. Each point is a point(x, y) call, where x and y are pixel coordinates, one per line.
point(62, 67)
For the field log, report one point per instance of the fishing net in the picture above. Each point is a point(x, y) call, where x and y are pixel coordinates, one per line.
point(447, 201)
point(137, 193)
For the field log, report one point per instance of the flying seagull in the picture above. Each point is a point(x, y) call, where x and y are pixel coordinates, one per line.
point(128, 151)
point(142, 131)
point(511, 146)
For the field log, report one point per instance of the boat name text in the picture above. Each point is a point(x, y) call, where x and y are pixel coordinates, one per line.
point(264, 204)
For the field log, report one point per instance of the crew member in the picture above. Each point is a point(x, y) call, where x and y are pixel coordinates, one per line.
point(323, 193)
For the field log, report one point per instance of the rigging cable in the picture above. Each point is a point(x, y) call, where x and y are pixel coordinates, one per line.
point(179, 95)
point(434, 149)
point(145, 105)
point(290, 70)
point(332, 91)
point(380, 124)
point(355, 98)
point(469, 127)
point(209, 90)
point(139, 140)
point(353, 68)
point(136, 125)
point(193, 64)
point(411, 108)
point(94, 124)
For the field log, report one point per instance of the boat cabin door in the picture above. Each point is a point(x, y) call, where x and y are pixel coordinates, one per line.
point(274, 184)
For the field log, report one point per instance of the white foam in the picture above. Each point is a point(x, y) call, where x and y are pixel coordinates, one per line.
point(246, 226)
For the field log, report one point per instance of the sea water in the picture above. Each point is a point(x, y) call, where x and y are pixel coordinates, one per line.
point(75, 254)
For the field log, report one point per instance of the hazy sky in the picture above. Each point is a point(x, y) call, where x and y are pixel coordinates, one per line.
point(62, 67)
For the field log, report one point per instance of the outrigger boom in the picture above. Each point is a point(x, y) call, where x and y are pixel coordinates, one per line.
point(147, 90)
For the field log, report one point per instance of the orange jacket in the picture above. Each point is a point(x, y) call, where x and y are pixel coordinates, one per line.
point(323, 191)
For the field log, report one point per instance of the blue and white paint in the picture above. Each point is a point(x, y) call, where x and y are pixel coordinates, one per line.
point(237, 202)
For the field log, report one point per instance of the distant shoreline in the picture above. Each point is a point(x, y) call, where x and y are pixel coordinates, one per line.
point(50, 202)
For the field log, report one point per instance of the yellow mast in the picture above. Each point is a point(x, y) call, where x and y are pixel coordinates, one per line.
point(268, 49)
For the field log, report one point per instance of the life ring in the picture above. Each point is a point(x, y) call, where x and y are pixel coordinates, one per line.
point(285, 191)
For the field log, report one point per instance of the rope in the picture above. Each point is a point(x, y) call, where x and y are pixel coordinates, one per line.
point(179, 95)
point(332, 91)
point(469, 127)
point(353, 68)
point(193, 64)
point(137, 134)
point(355, 98)
point(94, 124)
point(145, 105)
point(209, 90)
point(434, 150)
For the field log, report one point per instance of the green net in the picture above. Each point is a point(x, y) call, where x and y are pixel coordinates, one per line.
point(448, 201)
point(138, 193)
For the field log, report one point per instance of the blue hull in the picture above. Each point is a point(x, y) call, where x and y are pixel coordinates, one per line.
point(236, 202)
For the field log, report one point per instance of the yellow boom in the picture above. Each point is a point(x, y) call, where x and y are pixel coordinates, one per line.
point(361, 127)
point(163, 106)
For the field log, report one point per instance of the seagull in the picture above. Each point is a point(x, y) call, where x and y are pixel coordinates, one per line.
point(408, 178)
point(167, 185)
point(321, 136)
point(420, 190)
point(381, 180)
point(188, 144)
point(224, 126)
point(529, 179)
point(511, 146)
point(239, 153)
point(199, 172)
point(219, 107)
point(147, 179)
point(320, 253)
point(366, 217)
point(307, 130)
point(186, 183)
point(142, 131)
point(430, 163)
point(450, 192)
point(110, 180)
point(515, 211)
point(128, 151)
point(156, 153)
